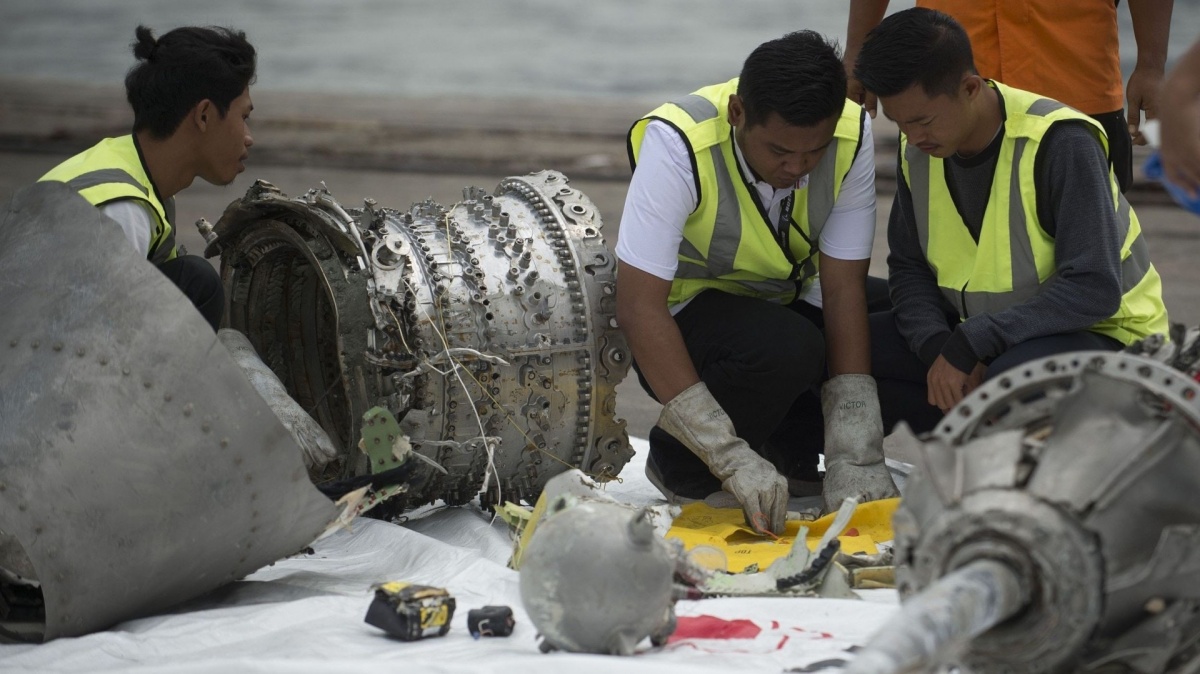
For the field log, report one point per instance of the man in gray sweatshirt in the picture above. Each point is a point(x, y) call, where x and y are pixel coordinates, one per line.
point(1009, 240)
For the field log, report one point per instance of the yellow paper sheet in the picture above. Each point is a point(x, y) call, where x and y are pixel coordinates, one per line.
point(725, 529)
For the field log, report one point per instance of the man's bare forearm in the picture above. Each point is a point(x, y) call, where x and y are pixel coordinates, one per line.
point(844, 300)
point(1151, 29)
point(864, 15)
point(652, 333)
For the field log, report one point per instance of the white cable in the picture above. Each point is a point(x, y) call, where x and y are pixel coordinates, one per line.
point(448, 354)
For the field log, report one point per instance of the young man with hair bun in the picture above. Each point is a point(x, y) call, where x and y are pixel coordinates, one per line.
point(190, 94)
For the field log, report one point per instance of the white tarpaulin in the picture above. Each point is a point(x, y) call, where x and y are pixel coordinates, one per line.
point(305, 614)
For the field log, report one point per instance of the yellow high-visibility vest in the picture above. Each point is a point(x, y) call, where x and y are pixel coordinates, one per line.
point(1014, 257)
point(727, 243)
point(112, 170)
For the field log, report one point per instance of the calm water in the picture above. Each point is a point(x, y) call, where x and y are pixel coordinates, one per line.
point(541, 48)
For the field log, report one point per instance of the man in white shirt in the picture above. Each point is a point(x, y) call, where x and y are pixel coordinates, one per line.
point(741, 192)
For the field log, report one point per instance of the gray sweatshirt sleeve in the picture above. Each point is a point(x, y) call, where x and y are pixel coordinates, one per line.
point(918, 305)
point(1075, 207)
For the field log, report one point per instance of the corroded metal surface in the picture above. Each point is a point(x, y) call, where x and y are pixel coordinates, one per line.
point(138, 467)
point(1078, 473)
point(596, 577)
point(487, 327)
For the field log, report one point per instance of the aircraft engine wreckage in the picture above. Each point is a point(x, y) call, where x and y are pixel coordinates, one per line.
point(138, 466)
point(1054, 525)
point(487, 328)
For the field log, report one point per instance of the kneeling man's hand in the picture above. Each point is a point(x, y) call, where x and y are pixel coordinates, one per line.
point(697, 420)
point(854, 464)
point(948, 384)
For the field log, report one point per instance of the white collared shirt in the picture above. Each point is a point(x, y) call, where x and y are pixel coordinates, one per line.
point(662, 195)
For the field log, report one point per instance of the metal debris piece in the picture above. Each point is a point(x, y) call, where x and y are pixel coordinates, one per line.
point(487, 328)
point(139, 467)
point(800, 573)
point(596, 577)
point(1053, 525)
point(316, 448)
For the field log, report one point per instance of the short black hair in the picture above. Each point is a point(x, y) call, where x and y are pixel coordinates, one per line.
point(915, 46)
point(798, 76)
point(182, 68)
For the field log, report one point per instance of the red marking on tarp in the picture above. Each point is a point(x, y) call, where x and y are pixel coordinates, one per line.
point(774, 624)
point(712, 627)
point(851, 532)
point(782, 641)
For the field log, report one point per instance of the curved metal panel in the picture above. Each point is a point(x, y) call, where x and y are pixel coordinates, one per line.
point(138, 467)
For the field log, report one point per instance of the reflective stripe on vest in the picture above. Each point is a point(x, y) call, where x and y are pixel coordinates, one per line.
point(1014, 258)
point(726, 243)
point(112, 170)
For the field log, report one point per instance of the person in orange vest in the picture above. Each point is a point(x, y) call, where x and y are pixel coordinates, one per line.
point(190, 94)
point(1066, 49)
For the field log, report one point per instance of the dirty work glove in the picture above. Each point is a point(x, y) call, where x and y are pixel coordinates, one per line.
point(854, 442)
point(317, 448)
point(696, 419)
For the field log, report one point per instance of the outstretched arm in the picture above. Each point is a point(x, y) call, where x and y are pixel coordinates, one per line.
point(1151, 29)
point(653, 336)
point(658, 203)
point(864, 15)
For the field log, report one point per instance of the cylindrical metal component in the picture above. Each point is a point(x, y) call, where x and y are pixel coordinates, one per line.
point(206, 230)
point(1077, 473)
point(957, 607)
point(435, 302)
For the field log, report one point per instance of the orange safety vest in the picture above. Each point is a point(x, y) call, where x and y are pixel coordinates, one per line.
point(1064, 49)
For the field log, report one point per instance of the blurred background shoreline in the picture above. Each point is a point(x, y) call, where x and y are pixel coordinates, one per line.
point(541, 49)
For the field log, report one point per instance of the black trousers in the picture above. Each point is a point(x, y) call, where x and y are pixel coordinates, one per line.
point(1120, 146)
point(764, 363)
point(901, 376)
point(200, 282)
